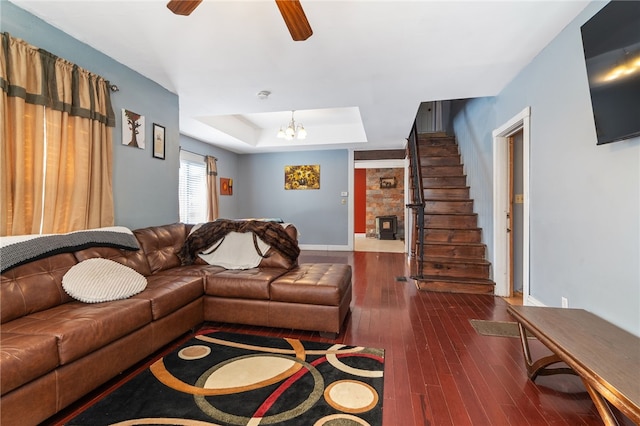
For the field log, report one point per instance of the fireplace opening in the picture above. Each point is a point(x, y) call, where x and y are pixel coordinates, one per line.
point(386, 227)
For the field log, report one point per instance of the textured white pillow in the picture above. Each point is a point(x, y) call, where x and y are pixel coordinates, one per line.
point(101, 280)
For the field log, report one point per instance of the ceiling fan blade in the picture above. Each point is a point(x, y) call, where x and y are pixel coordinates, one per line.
point(295, 19)
point(183, 7)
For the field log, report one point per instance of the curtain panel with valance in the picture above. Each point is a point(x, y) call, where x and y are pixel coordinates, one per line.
point(56, 143)
point(41, 78)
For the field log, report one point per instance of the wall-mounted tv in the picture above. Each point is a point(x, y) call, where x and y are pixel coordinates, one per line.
point(611, 42)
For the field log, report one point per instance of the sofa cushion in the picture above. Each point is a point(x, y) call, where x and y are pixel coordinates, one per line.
point(80, 328)
point(313, 283)
point(161, 245)
point(24, 358)
point(34, 286)
point(102, 280)
point(245, 284)
point(167, 293)
point(134, 259)
point(195, 270)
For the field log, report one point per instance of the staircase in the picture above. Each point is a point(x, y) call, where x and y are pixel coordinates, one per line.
point(454, 256)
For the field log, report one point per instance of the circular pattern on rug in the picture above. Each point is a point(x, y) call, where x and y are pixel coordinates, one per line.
point(194, 352)
point(164, 421)
point(332, 359)
point(351, 396)
point(217, 387)
point(314, 395)
point(341, 420)
point(249, 372)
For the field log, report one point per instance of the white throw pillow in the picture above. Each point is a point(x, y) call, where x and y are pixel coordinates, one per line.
point(102, 280)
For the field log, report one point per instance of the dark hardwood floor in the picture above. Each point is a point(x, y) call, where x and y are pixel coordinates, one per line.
point(438, 370)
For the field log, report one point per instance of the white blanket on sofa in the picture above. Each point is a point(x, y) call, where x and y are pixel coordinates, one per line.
point(235, 251)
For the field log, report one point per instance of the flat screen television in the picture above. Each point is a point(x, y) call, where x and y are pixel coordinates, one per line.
point(611, 42)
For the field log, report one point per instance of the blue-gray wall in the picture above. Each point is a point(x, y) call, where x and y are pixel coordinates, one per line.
point(258, 191)
point(319, 214)
point(474, 122)
point(145, 188)
point(584, 199)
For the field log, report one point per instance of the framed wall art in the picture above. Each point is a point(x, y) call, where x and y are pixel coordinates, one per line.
point(388, 182)
point(158, 141)
point(132, 129)
point(226, 186)
point(302, 177)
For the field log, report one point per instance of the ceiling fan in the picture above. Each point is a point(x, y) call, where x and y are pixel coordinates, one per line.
point(291, 11)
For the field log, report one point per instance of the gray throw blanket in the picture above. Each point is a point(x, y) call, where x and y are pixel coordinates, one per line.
point(15, 251)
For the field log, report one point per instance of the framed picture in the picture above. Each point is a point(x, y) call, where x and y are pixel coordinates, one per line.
point(158, 141)
point(132, 129)
point(226, 186)
point(387, 182)
point(302, 177)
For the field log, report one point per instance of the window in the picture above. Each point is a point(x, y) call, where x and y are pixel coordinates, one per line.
point(193, 188)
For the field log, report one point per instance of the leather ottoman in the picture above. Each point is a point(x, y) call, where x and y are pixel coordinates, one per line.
point(312, 297)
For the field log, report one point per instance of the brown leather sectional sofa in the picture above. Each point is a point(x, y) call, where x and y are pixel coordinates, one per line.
point(55, 349)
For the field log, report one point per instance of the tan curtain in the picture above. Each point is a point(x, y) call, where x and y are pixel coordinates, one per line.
point(212, 188)
point(49, 102)
point(21, 199)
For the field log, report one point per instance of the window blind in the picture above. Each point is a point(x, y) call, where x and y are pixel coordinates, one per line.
point(192, 188)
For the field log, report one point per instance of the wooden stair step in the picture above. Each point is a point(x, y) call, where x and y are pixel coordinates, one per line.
point(455, 285)
point(472, 235)
point(449, 160)
point(444, 181)
point(452, 193)
point(455, 250)
point(435, 206)
point(451, 220)
point(436, 171)
point(436, 138)
point(456, 267)
point(461, 261)
point(437, 150)
point(436, 142)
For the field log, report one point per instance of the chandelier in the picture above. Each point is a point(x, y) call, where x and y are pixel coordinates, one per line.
point(292, 131)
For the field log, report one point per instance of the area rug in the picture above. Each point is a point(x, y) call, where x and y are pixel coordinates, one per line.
point(221, 378)
point(496, 328)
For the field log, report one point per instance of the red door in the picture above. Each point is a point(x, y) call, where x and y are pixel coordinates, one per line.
point(360, 201)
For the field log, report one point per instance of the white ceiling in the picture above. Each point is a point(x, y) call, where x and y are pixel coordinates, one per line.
point(356, 82)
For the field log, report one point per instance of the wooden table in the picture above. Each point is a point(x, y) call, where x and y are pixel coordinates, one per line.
point(606, 358)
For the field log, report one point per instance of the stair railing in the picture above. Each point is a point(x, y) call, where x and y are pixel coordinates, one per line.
point(417, 197)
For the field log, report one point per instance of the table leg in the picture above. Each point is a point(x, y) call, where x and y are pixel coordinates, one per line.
point(539, 367)
point(603, 408)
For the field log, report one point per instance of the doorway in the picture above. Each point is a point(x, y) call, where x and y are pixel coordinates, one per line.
point(515, 213)
point(511, 202)
point(373, 199)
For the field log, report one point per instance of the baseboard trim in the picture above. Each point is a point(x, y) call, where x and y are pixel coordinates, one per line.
point(532, 301)
point(325, 247)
